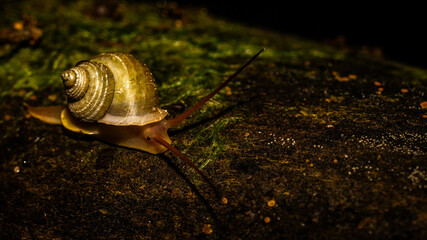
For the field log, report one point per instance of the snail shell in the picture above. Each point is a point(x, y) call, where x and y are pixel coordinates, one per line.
point(113, 88)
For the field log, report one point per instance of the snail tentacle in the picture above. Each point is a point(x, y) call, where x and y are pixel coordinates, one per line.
point(187, 161)
point(180, 118)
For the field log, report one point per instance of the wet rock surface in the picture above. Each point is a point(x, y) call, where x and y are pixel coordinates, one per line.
point(309, 142)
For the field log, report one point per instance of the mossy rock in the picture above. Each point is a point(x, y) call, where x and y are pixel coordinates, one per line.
point(308, 142)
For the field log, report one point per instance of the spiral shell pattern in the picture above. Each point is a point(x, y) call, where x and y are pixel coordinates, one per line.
point(90, 90)
point(113, 88)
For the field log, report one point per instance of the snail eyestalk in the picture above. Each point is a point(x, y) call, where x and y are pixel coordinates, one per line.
point(184, 115)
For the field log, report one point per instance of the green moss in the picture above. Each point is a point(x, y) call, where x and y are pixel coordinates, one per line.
point(340, 158)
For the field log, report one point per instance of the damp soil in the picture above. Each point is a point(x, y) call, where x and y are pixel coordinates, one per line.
point(309, 142)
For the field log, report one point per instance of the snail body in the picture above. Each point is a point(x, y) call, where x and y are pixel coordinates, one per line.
point(113, 97)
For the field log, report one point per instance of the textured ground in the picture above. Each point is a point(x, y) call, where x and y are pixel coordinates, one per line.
point(309, 142)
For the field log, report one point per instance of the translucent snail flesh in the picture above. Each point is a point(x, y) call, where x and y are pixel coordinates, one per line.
point(113, 97)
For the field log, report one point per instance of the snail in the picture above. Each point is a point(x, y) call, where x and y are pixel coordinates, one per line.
point(113, 97)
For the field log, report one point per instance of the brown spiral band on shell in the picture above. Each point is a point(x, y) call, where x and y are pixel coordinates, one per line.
point(97, 83)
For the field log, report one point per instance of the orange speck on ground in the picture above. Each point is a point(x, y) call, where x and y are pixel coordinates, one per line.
point(267, 219)
point(207, 229)
point(33, 97)
point(7, 117)
point(18, 25)
point(376, 83)
point(27, 115)
point(224, 200)
point(335, 161)
point(423, 105)
point(246, 134)
point(52, 97)
point(178, 23)
point(352, 76)
point(287, 193)
point(271, 203)
point(21, 92)
point(103, 211)
point(404, 90)
point(311, 165)
point(228, 91)
point(424, 116)
point(307, 63)
point(342, 79)
point(328, 100)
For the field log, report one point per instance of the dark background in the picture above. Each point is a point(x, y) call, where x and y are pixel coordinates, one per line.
point(395, 30)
